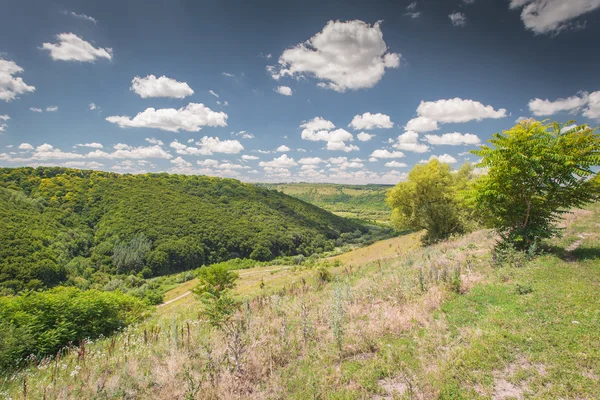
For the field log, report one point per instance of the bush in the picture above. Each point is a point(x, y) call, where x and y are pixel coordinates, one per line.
point(41, 323)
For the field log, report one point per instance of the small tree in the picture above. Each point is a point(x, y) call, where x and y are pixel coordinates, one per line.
point(213, 290)
point(536, 173)
point(428, 200)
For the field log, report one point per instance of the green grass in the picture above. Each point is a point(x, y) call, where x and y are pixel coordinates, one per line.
point(490, 341)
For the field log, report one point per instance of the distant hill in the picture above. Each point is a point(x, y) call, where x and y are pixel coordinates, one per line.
point(56, 222)
point(366, 202)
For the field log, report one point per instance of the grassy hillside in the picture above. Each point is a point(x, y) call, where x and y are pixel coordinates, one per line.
point(57, 223)
point(366, 202)
point(448, 321)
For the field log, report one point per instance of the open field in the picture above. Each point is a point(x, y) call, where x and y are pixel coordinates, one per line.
point(366, 202)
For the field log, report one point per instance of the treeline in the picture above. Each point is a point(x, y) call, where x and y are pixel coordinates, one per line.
point(68, 226)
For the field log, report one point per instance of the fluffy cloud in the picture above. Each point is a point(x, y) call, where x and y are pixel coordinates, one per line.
point(364, 136)
point(284, 90)
point(547, 107)
point(387, 154)
point(319, 129)
point(445, 158)
point(189, 118)
point(395, 164)
point(180, 162)
point(208, 146)
point(280, 162)
point(409, 141)
point(458, 110)
point(453, 139)
point(36, 109)
point(213, 93)
point(93, 106)
point(422, 124)
point(71, 47)
point(593, 108)
point(552, 16)
point(246, 157)
point(344, 55)
point(151, 86)
point(458, 19)
point(48, 152)
point(152, 140)
point(282, 149)
point(370, 121)
point(25, 146)
point(11, 86)
point(342, 163)
point(588, 102)
point(52, 109)
point(93, 145)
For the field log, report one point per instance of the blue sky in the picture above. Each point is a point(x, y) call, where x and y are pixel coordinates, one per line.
point(323, 91)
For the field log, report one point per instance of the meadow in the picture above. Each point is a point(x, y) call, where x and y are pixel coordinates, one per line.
point(446, 321)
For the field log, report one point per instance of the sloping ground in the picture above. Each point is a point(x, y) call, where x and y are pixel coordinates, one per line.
point(441, 322)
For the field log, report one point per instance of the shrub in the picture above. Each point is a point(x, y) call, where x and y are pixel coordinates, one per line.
point(40, 323)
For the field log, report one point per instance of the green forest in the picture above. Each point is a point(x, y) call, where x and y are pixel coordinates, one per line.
point(60, 225)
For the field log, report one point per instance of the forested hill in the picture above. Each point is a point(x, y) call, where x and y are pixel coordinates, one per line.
point(58, 222)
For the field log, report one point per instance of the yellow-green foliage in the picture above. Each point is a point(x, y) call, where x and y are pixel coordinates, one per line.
point(536, 173)
point(429, 200)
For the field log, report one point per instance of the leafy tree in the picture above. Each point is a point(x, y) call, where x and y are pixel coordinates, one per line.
point(428, 200)
point(215, 283)
point(536, 173)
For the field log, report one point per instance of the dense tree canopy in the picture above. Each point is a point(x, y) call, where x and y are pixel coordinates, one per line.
point(57, 222)
point(429, 200)
point(536, 173)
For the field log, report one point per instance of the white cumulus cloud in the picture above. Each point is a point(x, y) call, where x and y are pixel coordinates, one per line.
point(71, 47)
point(387, 154)
point(284, 90)
point(280, 162)
point(52, 109)
point(409, 141)
point(10, 85)
point(189, 118)
point(370, 121)
point(364, 136)
point(151, 86)
point(282, 149)
point(344, 55)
